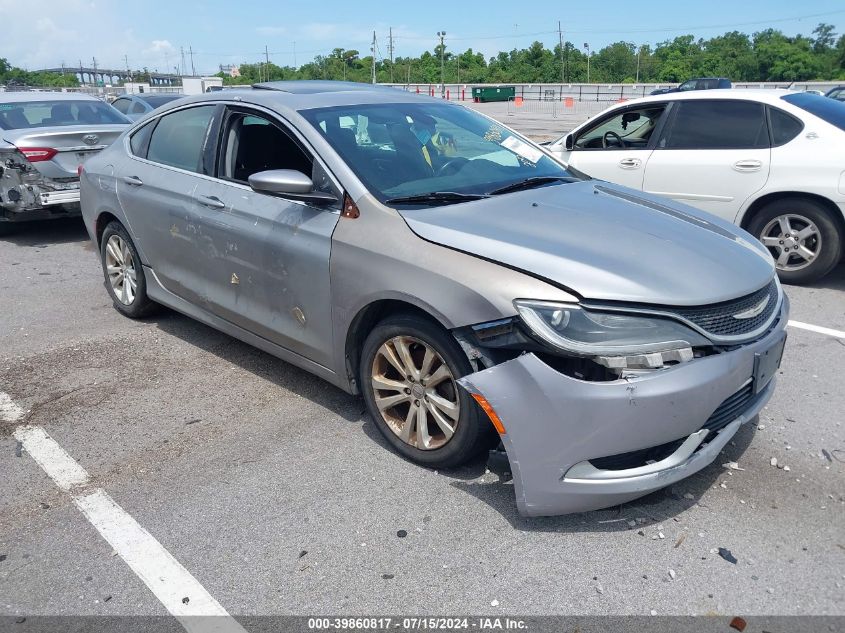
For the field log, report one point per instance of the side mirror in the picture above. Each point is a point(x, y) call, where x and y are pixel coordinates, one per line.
point(569, 142)
point(291, 184)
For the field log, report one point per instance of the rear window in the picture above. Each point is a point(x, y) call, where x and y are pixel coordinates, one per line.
point(33, 114)
point(159, 100)
point(785, 127)
point(826, 109)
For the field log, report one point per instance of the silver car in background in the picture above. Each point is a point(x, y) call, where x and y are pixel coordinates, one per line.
point(478, 295)
point(44, 138)
point(133, 107)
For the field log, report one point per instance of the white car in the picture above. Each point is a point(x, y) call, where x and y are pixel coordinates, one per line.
point(771, 161)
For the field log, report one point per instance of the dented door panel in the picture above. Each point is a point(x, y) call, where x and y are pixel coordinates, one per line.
point(266, 264)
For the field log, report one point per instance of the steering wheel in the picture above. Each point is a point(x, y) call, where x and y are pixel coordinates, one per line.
point(452, 166)
point(605, 139)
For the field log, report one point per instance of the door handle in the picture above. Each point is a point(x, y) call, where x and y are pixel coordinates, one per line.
point(133, 180)
point(630, 163)
point(748, 165)
point(212, 202)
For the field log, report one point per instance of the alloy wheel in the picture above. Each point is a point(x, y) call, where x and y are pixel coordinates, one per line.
point(120, 268)
point(415, 392)
point(794, 241)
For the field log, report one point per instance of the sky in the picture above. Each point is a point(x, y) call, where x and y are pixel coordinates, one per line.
point(40, 34)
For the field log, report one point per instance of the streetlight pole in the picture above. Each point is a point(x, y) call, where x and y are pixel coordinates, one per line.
point(587, 48)
point(639, 50)
point(441, 35)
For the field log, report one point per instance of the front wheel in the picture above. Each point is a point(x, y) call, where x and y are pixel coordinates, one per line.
point(409, 368)
point(802, 237)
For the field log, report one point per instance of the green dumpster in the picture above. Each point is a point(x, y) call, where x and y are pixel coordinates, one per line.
point(484, 94)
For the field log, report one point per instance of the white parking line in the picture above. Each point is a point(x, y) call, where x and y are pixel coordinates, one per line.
point(174, 586)
point(818, 329)
point(9, 411)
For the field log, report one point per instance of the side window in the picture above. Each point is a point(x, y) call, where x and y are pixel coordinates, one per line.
point(630, 129)
point(140, 140)
point(785, 127)
point(138, 108)
point(252, 143)
point(688, 85)
point(122, 105)
point(725, 124)
point(179, 137)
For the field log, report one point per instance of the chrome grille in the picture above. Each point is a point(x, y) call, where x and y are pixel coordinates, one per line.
point(719, 319)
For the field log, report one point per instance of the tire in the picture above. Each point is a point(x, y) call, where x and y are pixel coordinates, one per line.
point(118, 252)
point(802, 216)
point(472, 431)
point(6, 228)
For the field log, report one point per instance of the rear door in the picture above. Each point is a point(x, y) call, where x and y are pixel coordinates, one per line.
point(156, 187)
point(266, 258)
point(713, 154)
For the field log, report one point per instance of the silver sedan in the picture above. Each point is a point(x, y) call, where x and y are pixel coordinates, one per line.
point(600, 343)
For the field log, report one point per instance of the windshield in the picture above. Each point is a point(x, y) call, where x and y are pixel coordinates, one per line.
point(411, 149)
point(826, 109)
point(17, 116)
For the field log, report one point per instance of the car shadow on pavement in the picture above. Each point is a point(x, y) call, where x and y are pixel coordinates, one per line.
point(656, 507)
point(262, 364)
point(834, 280)
point(46, 232)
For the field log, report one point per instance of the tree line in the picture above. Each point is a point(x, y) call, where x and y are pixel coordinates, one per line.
point(767, 55)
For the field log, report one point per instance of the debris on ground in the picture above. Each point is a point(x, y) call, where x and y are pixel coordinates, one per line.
point(732, 466)
point(44, 506)
point(672, 574)
point(688, 496)
point(653, 612)
point(107, 598)
point(186, 600)
point(773, 461)
point(2, 557)
point(303, 553)
point(739, 624)
point(402, 533)
point(726, 554)
point(760, 427)
point(827, 455)
point(680, 540)
point(388, 576)
point(494, 603)
point(787, 468)
point(426, 519)
point(723, 485)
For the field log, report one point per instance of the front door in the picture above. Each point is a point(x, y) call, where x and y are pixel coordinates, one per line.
point(266, 258)
point(618, 146)
point(714, 154)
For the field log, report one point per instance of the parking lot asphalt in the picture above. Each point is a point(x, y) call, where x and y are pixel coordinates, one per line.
point(276, 492)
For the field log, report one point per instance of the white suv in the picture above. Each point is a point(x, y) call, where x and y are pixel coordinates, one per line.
point(772, 161)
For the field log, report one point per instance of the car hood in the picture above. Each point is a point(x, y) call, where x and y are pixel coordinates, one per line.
point(605, 242)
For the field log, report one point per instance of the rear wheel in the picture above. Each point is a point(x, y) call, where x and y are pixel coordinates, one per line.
point(409, 368)
point(802, 237)
point(123, 272)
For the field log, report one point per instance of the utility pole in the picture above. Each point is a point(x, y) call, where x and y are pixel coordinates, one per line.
point(81, 74)
point(637, 80)
point(587, 48)
point(128, 72)
point(390, 49)
point(94, 59)
point(442, 35)
point(562, 64)
point(373, 49)
point(191, 53)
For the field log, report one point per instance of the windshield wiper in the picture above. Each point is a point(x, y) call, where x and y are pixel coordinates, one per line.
point(435, 197)
point(528, 183)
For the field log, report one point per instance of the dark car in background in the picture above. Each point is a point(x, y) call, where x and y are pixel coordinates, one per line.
point(44, 139)
point(700, 83)
point(136, 106)
point(837, 93)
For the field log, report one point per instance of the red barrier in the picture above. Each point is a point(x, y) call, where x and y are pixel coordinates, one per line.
point(568, 102)
point(463, 94)
point(448, 97)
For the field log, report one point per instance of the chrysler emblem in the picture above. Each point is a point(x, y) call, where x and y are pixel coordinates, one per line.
point(90, 139)
point(753, 311)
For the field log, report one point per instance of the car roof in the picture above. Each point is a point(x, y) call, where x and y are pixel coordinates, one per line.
point(24, 97)
point(765, 95)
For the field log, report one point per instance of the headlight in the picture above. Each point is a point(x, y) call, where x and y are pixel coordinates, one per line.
point(584, 332)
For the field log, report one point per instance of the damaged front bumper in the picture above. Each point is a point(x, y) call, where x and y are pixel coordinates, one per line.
point(576, 445)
